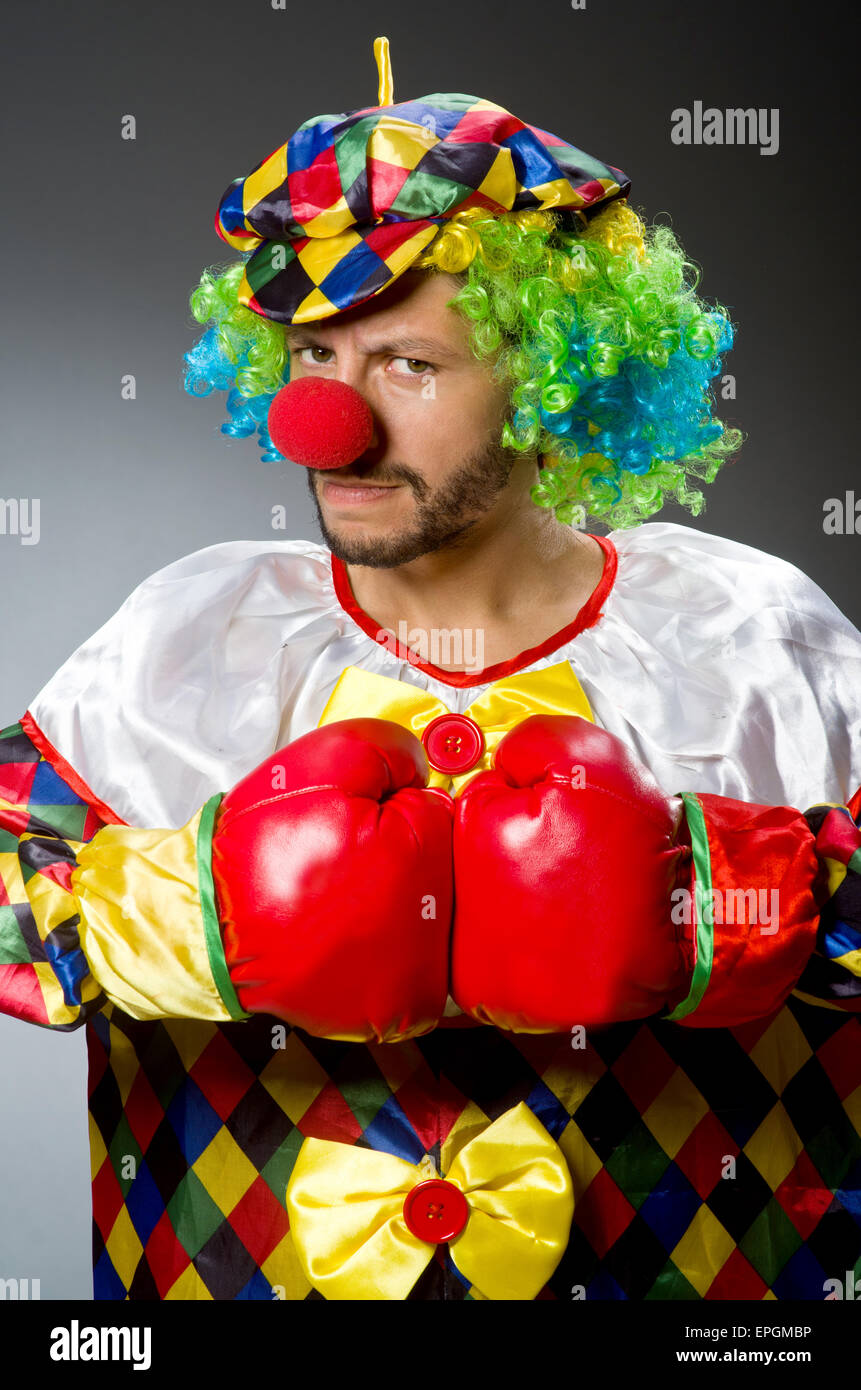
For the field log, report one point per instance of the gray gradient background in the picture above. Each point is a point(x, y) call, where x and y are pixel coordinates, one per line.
point(104, 238)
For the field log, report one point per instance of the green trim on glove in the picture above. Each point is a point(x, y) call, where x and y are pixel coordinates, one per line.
point(211, 926)
point(704, 908)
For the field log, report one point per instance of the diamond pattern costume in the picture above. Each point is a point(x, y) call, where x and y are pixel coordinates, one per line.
point(197, 1122)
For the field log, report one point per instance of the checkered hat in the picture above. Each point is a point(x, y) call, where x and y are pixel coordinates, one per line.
point(342, 209)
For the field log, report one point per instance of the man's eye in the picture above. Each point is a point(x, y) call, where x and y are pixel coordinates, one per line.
point(416, 367)
point(319, 360)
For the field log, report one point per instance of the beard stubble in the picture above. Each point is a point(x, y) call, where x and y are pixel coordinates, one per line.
point(443, 516)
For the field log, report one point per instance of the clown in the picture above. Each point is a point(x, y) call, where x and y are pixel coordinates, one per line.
point(411, 978)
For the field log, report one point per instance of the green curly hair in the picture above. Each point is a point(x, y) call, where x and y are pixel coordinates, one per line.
point(594, 326)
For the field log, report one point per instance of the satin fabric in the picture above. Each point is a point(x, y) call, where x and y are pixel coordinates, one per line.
point(346, 1214)
point(555, 690)
point(349, 202)
point(747, 967)
point(128, 883)
point(723, 668)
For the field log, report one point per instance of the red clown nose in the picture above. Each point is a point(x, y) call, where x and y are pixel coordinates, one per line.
point(320, 423)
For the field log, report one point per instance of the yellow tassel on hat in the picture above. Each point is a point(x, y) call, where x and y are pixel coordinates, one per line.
point(386, 92)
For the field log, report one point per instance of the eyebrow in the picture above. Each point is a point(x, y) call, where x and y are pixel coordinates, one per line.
point(305, 336)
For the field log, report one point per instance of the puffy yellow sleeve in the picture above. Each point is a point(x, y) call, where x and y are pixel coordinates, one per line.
point(93, 913)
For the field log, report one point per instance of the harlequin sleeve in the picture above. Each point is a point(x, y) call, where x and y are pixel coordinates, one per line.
point(832, 976)
point(774, 907)
point(93, 912)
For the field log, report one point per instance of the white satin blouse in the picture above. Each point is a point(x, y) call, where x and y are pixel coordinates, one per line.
point(725, 669)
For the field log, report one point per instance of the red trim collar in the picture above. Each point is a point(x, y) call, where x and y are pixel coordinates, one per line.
point(588, 616)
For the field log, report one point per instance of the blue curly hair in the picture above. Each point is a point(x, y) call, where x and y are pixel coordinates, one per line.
point(596, 328)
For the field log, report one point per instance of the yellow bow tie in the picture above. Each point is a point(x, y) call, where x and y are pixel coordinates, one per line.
point(352, 1237)
point(553, 690)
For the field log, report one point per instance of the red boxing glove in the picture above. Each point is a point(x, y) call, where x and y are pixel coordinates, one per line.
point(565, 856)
point(586, 895)
point(332, 864)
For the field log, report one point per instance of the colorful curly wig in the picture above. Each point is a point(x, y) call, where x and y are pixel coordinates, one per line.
point(594, 325)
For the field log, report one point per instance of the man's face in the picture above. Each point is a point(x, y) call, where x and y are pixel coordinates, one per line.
point(434, 457)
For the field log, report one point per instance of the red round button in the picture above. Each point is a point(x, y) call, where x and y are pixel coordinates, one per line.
point(435, 1211)
point(453, 743)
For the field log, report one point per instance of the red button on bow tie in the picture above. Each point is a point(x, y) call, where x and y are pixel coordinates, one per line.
point(453, 743)
point(435, 1211)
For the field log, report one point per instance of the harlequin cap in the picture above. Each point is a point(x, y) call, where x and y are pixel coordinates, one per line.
point(346, 205)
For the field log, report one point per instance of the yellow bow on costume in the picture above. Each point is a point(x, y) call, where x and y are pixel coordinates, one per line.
point(346, 1208)
point(553, 690)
